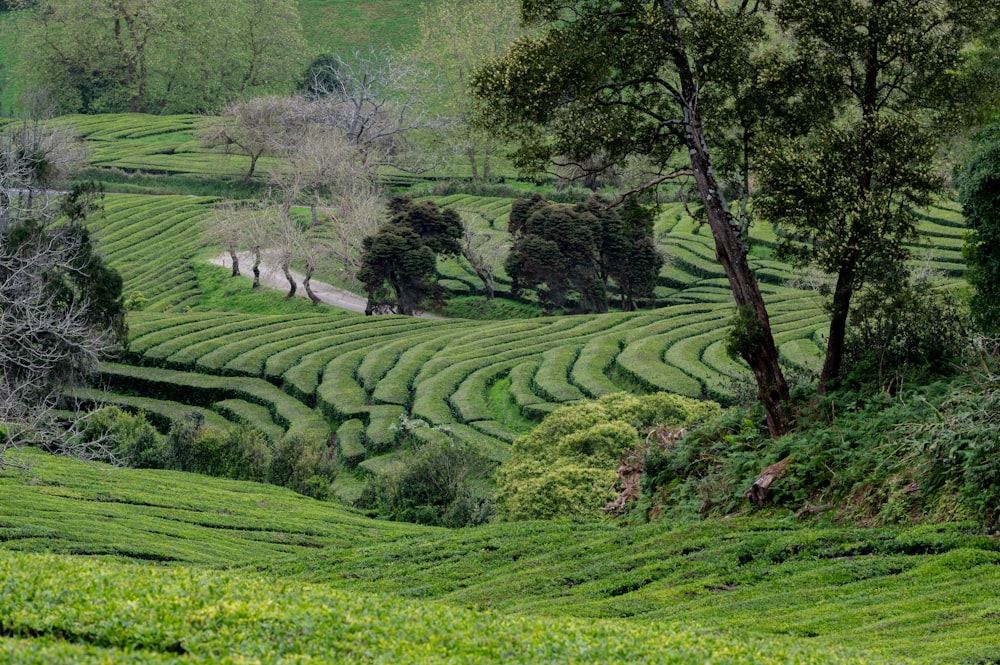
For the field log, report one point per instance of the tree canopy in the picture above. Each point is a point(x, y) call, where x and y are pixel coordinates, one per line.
point(578, 249)
point(158, 56)
point(842, 185)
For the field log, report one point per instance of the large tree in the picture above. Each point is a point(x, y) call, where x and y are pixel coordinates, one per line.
point(649, 79)
point(842, 186)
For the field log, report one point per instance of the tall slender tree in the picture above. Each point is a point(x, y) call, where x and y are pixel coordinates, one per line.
point(649, 79)
point(843, 186)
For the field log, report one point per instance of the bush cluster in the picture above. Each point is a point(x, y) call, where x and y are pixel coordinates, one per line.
point(438, 482)
point(927, 452)
point(239, 452)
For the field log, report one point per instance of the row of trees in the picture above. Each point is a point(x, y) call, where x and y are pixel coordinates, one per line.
point(836, 106)
point(579, 249)
point(158, 56)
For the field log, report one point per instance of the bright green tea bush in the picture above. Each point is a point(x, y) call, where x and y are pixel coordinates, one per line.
point(566, 466)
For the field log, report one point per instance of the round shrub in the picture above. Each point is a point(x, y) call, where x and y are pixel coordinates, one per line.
point(129, 439)
point(566, 466)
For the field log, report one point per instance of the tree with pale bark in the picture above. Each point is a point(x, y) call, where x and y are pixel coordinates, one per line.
point(61, 309)
point(456, 37)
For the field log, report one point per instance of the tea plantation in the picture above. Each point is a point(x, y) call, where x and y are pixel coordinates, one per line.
point(111, 565)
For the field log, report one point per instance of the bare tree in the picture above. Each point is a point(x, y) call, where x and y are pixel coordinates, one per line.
point(377, 99)
point(49, 338)
point(231, 227)
point(322, 166)
point(482, 253)
point(34, 159)
point(457, 36)
point(253, 128)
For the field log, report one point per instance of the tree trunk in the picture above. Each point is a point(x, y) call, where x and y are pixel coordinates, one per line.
point(256, 266)
point(470, 152)
point(236, 262)
point(761, 354)
point(313, 207)
point(305, 284)
point(839, 311)
point(291, 280)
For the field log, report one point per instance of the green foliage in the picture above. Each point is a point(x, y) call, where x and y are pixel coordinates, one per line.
point(979, 192)
point(579, 249)
point(435, 484)
point(240, 452)
point(130, 438)
point(900, 324)
point(497, 309)
point(924, 454)
point(960, 446)
point(565, 467)
point(304, 465)
point(923, 593)
point(402, 255)
point(158, 56)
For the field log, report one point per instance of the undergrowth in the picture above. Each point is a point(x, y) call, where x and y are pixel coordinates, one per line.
point(929, 452)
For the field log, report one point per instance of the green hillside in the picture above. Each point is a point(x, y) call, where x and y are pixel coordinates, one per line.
point(342, 26)
point(182, 568)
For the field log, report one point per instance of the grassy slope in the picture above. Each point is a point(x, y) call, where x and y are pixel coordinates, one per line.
point(342, 26)
point(294, 565)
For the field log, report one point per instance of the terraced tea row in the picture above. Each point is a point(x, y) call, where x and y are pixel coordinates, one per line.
point(928, 593)
point(353, 369)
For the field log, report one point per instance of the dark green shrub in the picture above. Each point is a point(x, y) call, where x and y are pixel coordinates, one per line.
point(130, 438)
point(436, 485)
point(239, 452)
point(304, 465)
point(960, 448)
point(901, 326)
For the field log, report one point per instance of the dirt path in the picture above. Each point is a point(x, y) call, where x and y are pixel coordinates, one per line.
point(272, 277)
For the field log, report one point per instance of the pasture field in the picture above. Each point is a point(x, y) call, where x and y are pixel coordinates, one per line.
point(156, 566)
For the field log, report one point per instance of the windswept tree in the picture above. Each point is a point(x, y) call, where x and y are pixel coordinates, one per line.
point(842, 186)
point(649, 80)
point(581, 249)
point(483, 253)
point(399, 263)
